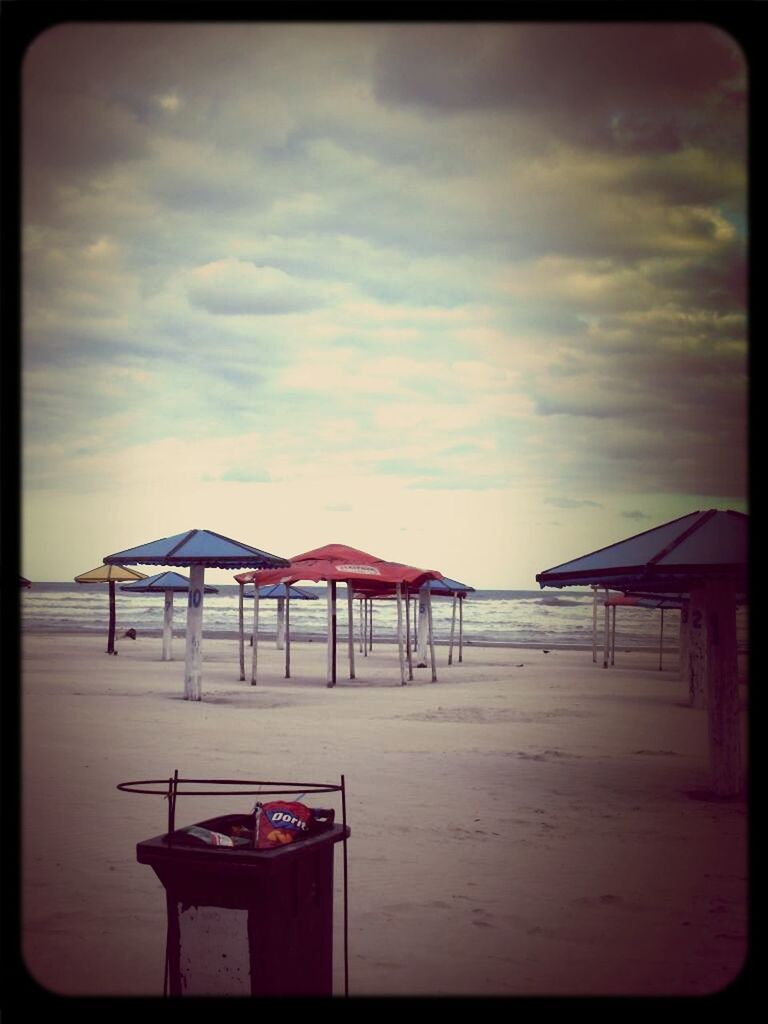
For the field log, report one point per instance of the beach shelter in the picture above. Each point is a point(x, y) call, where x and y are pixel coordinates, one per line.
point(197, 549)
point(110, 574)
point(283, 593)
point(703, 554)
point(641, 601)
point(167, 584)
point(339, 563)
point(444, 587)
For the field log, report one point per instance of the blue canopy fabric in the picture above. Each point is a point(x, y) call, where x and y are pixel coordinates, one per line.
point(282, 590)
point(199, 547)
point(671, 557)
point(163, 581)
point(446, 586)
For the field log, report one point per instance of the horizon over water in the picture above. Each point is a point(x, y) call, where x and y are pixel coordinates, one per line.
point(515, 618)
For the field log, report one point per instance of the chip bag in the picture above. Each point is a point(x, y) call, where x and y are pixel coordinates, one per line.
point(280, 822)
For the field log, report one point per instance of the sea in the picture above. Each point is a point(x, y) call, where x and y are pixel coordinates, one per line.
point(489, 618)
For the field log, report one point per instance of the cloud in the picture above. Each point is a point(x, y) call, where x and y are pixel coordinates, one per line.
point(610, 85)
point(231, 287)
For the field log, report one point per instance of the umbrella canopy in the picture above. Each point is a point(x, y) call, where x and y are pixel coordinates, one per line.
point(673, 557)
point(110, 574)
point(280, 590)
point(168, 584)
point(639, 601)
point(198, 547)
point(337, 563)
point(703, 554)
point(161, 582)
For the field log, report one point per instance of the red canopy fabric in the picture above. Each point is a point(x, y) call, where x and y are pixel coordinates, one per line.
point(341, 564)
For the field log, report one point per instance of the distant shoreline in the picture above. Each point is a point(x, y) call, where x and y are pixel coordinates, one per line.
point(319, 638)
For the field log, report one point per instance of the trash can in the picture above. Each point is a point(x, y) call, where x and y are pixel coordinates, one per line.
point(244, 921)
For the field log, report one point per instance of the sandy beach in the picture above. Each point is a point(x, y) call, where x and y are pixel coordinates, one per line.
point(528, 825)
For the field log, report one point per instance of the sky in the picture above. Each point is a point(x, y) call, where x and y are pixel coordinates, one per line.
point(469, 296)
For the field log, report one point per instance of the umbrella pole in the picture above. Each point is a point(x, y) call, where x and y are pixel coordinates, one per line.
point(280, 631)
point(613, 634)
point(194, 655)
point(370, 623)
point(288, 638)
point(723, 706)
point(330, 650)
point(431, 635)
point(111, 634)
point(606, 631)
point(453, 626)
point(255, 636)
point(461, 624)
point(399, 592)
point(350, 632)
point(408, 631)
point(594, 625)
point(661, 639)
point(168, 626)
point(360, 624)
point(242, 632)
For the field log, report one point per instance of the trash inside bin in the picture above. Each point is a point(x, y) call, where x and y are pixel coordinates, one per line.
point(244, 920)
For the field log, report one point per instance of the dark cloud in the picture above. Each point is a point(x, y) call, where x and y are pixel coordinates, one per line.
point(571, 503)
point(627, 85)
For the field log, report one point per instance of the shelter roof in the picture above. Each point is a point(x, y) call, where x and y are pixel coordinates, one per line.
point(163, 581)
point(109, 573)
point(198, 547)
point(340, 563)
point(275, 590)
point(671, 557)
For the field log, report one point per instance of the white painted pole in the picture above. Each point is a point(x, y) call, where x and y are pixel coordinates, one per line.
point(168, 626)
point(661, 639)
point(194, 654)
point(684, 637)
point(453, 626)
point(697, 648)
point(461, 624)
point(398, 590)
point(408, 631)
point(613, 634)
point(594, 624)
point(241, 619)
point(431, 637)
point(331, 611)
point(361, 623)
point(423, 631)
point(607, 631)
point(280, 632)
point(723, 707)
point(287, 638)
point(255, 635)
point(370, 623)
point(350, 632)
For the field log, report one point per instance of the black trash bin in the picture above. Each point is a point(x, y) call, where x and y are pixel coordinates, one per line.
point(244, 921)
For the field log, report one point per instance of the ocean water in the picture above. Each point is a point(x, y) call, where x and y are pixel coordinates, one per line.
point(518, 618)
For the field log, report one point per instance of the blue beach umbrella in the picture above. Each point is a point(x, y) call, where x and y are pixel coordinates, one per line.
point(168, 584)
point(199, 550)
